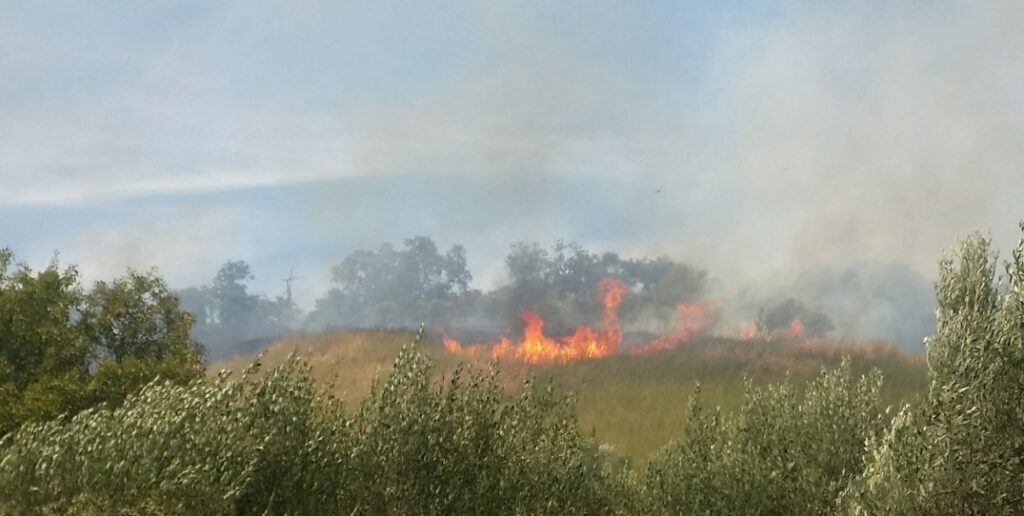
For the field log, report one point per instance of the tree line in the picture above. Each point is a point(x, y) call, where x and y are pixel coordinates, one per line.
point(402, 286)
point(64, 347)
point(273, 443)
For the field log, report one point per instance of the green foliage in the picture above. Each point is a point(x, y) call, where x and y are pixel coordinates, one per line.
point(393, 287)
point(136, 316)
point(62, 349)
point(963, 452)
point(272, 444)
point(457, 448)
point(784, 452)
point(136, 332)
point(43, 355)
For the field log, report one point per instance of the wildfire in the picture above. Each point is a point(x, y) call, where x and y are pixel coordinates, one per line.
point(750, 331)
point(536, 348)
point(754, 330)
point(692, 319)
point(794, 330)
point(585, 341)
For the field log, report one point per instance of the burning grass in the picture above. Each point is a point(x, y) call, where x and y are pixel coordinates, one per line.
point(635, 403)
point(604, 340)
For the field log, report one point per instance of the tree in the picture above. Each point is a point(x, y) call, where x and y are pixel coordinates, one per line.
point(62, 350)
point(228, 319)
point(44, 357)
point(393, 286)
point(136, 331)
point(960, 451)
point(676, 283)
point(136, 316)
point(232, 302)
point(529, 267)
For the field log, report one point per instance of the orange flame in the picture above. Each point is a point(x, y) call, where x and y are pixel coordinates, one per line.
point(752, 330)
point(749, 331)
point(793, 331)
point(585, 341)
point(613, 291)
point(536, 348)
point(692, 319)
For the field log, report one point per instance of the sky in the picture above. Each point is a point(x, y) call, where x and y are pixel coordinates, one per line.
point(750, 138)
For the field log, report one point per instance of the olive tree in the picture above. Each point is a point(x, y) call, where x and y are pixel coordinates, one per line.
point(962, 452)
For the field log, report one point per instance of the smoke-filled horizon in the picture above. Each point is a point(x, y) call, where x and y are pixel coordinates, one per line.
point(822, 149)
point(561, 291)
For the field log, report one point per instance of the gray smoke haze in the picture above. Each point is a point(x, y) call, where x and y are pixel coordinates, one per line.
point(869, 131)
point(863, 300)
point(777, 146)
point(847, 146)
point(881, 131)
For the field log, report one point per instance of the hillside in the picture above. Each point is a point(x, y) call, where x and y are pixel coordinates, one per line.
point(634, 403)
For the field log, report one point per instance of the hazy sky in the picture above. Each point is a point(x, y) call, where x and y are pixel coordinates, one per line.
point(781, 134)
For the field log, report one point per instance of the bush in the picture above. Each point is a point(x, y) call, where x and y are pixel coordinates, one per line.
point(273, 445)
point(962, 452)
point(784, 452)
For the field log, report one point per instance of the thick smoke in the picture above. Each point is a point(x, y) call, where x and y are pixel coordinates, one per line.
point(863, 301)
point(759, 140)
point(873, 300)
point(837, 146)
point(839, 134)
point(877, 131)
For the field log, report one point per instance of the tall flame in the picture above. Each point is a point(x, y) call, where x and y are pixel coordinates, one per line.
point(692, 319)
point(586, 341)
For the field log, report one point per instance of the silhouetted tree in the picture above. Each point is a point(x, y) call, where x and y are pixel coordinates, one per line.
point(229, 319)
point(393, 286)
point(781, 315)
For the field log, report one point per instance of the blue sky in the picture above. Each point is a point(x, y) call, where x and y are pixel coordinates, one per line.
point(783, 134)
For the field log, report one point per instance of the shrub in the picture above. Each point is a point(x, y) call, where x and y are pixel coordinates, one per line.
point(271, 444)
point(784, 452)
point(962, 452)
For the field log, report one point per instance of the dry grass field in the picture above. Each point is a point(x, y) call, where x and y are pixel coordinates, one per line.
point(634, 403)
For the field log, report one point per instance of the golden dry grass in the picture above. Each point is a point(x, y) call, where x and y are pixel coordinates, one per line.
point(635, 403)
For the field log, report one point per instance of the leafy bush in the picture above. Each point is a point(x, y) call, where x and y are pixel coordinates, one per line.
point(272, 444)
point(784, 452)
point(962, 452)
